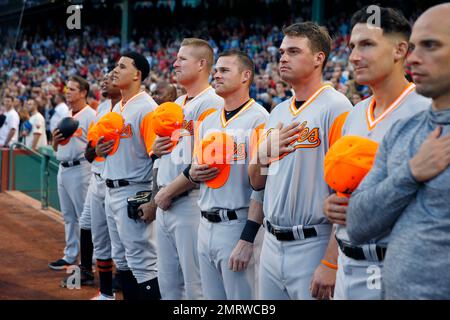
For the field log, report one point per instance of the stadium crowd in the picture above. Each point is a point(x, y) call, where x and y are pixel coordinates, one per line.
point(40, 65)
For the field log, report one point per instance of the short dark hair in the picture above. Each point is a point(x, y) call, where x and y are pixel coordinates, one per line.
point(244, 59)
point(392, 21)
point(7, 96)
point(140, 62)
point(318, 36)
point(82, 83)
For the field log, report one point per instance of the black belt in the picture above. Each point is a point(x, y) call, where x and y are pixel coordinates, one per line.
point(288, 235)
point(357, 253)
point(67, 164)
point(116, 183)
point(214, 216)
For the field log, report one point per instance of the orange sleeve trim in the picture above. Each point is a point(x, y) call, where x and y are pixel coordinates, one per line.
point(329, 265)
point(147, 132)
point(336, 128)
point(205, 114)
point(255, 139)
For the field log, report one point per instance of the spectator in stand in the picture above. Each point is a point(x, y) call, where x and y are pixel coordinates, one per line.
point(9, 132)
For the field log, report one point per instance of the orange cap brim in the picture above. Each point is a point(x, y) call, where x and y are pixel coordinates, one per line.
point(221, 178)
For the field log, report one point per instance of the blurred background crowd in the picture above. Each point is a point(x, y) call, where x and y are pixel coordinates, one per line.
point(37, 59)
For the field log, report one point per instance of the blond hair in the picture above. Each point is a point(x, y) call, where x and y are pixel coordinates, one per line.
point(204, 50)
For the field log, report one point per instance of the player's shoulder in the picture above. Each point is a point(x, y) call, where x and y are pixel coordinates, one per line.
point(210, 100)
point(416, 102)
point(401, 126)
point(283, 105)
point(146, 101)
point(259, 111)
point(333, 97)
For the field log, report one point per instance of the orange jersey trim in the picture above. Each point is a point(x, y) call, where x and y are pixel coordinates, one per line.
point(147, 132)
point(122, 106)
point(370, 116)
point(296, 112)
point(336, 128)
point(183, 104)
point(245, 108)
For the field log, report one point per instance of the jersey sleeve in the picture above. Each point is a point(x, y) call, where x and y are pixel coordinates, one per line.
point(147, 132)
point(335, 131)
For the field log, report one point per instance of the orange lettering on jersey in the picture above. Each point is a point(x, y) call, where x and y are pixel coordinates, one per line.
point(126, 132)
point(239, 152)
point(307, 139)
point(187, 128)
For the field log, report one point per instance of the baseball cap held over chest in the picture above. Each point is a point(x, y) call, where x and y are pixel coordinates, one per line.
point(217, 150)
point(347, 162)
point(67, 127)
point(110, 126)
point(167, 121)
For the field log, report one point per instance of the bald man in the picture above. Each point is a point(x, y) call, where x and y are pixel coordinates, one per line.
point(164, 92)
point(408, 188)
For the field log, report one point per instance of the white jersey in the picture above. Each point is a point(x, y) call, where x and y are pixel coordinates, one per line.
point(295, 186)
point(172, 165)
point(236, 192)
point(11, 122)
point(103, 108)
point(37, 122)
point(132, 160)
point(74, 149)
point(362, 122)
point(61, 111)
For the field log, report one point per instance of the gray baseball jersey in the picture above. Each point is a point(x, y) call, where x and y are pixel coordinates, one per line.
point(236, 192)
point(295, 187)
point(361, 122)
point(172, 165)
point(74, 149)
point(133, 162)
point(102, 109)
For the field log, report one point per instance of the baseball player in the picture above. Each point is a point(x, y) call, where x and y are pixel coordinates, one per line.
point(36, 137)
point(93, 217)
point(127, 171)
point(225, 193)
point(9, 131)
point(406, 193)
point(74, 172)
point(378, 55)
point(178, 214)
point(289, 165)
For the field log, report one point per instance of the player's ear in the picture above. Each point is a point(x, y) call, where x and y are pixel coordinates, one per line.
point(319, 58)
point(401, 50)
point(246, 76)
point(138, 75)
point(203, 64)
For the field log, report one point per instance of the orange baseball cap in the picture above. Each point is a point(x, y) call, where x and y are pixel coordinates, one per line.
point(167, 121)
point(110, 127)
point(217, 151)
point(347, 162)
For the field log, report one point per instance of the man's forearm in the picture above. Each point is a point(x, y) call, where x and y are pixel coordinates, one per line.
point(9, 137)
point(257, 179)
point(331, 254)
point(36, 137)
point(179, 185)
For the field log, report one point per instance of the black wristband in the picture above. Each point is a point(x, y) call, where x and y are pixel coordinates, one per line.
point(154, 157)
point(250, 230)
point(188, 176)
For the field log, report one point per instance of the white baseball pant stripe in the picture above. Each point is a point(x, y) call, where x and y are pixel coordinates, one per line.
point(137, 237)
point(216, 241)
point(73, 184)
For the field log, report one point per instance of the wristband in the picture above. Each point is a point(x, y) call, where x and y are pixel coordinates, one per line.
point(250, 230)
point(329, 265)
